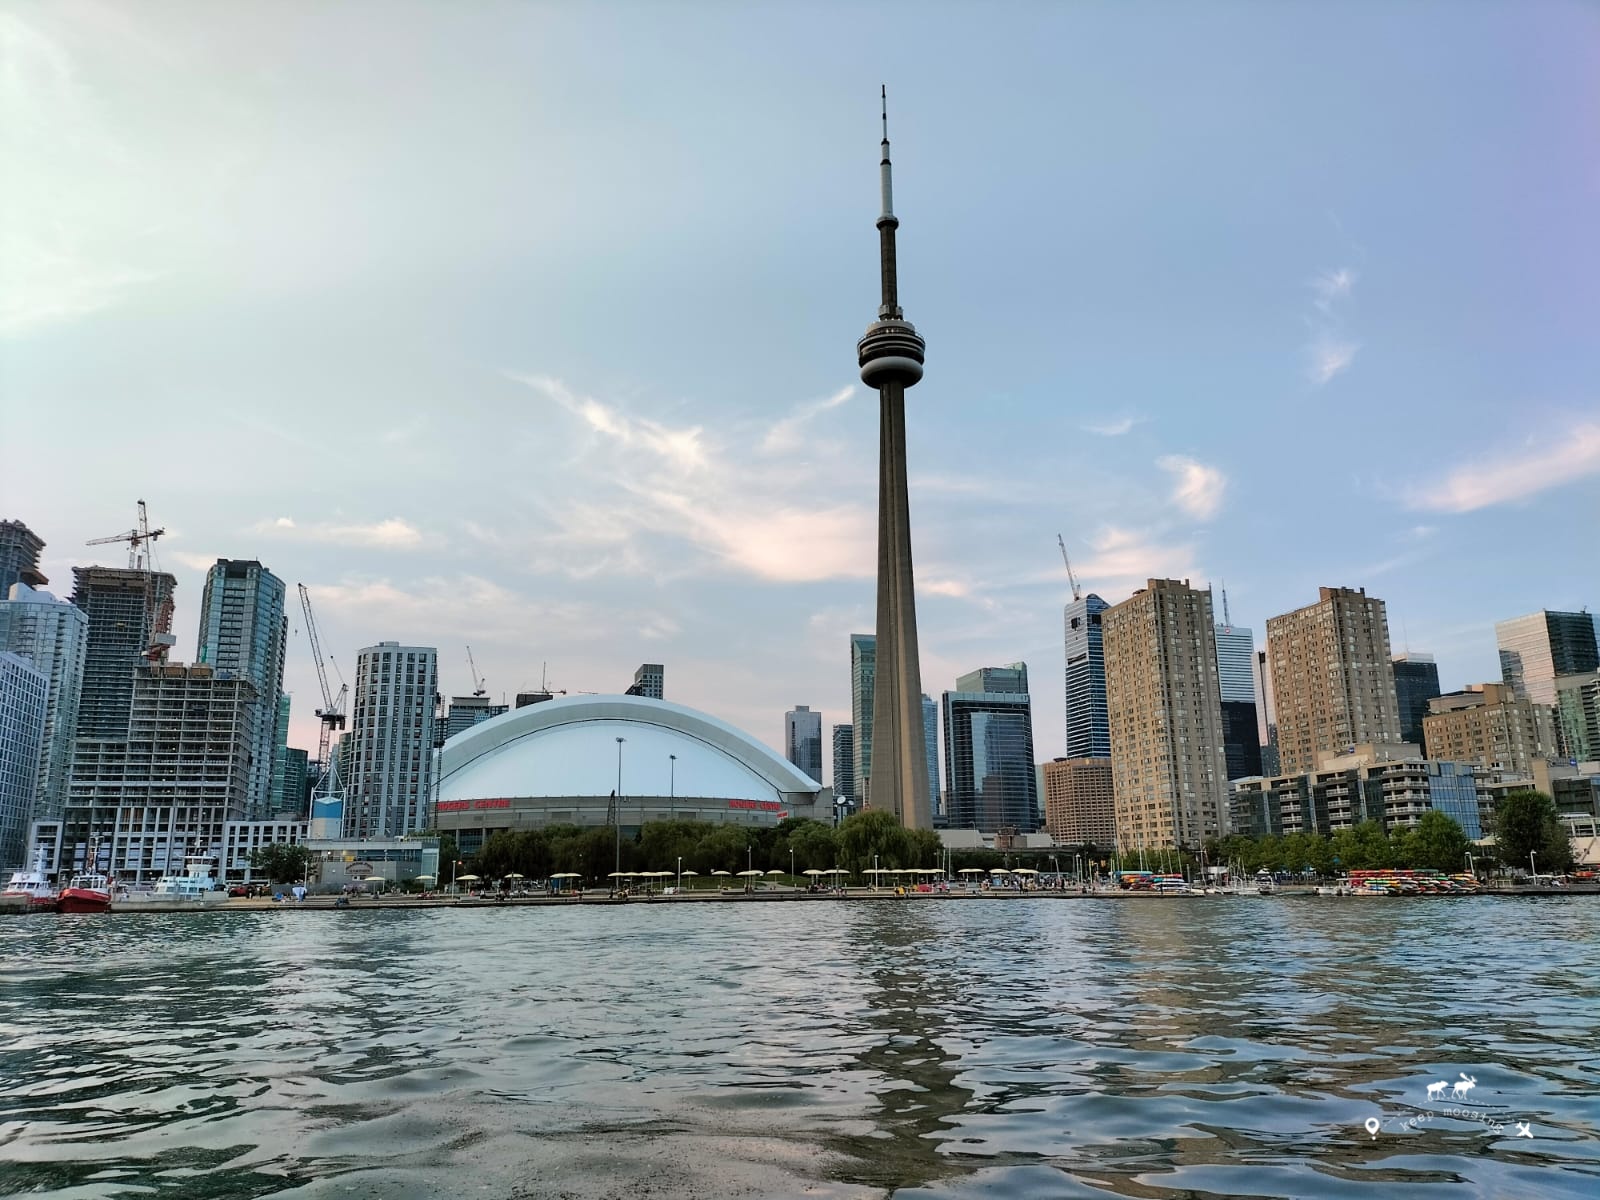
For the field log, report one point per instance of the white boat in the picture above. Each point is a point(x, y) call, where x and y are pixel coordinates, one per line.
point(196, 888)
point(30, 890)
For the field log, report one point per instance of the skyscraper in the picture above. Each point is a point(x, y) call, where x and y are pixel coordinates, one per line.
point(1168, 763)
point(1079, 803)
point(1333, 677)
point(466, 711)
point(890, 357)
point(1416, 681)
point(130, 613)
point(802, 740)
point(52, 635)
point(388, 762)
point(989, 773)
point(24, 694)
point(1266, 715)
point(1241, 739)
point(863, 676)
point(930, 738)
point(844, 763)
point(1088, 727)
point(243, 631)
point(1535, 649)
point(19, 557)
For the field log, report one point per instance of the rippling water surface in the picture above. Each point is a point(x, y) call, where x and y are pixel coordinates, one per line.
point(1146, 1048)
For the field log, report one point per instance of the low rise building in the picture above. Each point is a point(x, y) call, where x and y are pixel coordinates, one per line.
point(1490, 725)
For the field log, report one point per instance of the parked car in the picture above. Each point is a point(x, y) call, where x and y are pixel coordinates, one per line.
point(239, 889)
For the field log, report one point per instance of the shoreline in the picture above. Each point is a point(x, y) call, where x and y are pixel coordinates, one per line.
point(478, 902)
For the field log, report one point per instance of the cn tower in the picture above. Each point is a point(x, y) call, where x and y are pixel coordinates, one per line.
point(890, 354)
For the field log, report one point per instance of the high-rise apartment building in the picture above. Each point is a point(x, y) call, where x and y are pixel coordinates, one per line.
point(19, 557)
point(465, 712)
point(1088, 727)
point(990, 782)
point(130, 615)
point(1491, 725)
point(802, 740)
point(53, 636)
point(930, 738)
point(1333, 676)
point(165, 789)
point(1266, 715)
point(1416, 681)
point(1578, 716)
point(649, 680)
point(863, 677)
point(1168, 763)
point(1537, 648)
point(24, 696)
point(388, 764)
point(844, 764)
point(1080, 807)
point(244, 631)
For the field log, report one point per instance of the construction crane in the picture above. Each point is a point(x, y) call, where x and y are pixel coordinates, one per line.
point(139, 536)
point(477, 680)
point(331, 714)
point(1077, 592)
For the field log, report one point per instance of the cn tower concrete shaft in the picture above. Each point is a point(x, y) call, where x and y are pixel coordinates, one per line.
point(891, 356)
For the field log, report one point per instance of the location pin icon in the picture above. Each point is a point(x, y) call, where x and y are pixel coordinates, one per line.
point(1373, 1125)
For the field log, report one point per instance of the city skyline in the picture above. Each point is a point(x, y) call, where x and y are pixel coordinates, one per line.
point(393, 333)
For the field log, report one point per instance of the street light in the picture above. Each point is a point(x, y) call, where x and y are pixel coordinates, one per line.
point(874, 872)
point(680, 875)
point(453, 867)
point(791, 868)
point(672, 785)
point(1532, 870)
point(618, 826)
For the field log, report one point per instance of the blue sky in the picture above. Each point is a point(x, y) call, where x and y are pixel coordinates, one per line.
point(532, 327)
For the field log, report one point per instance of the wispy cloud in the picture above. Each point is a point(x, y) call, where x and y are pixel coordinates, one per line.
point(788, 433)
point(1122, 559)
point(1506, 478)
point(752, 507)
point(1198, 488)
point(392, 534)
point(1115, 427)
point(1329, 356)
point(1331, 351)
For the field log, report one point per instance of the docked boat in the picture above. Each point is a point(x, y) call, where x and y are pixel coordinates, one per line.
point(30, 890)
point(89, 892)
point(196, 888)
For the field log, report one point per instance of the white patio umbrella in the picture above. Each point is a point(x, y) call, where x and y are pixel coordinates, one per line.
point(970, 871)
point(722, 872)
point(1024, 871)
point(998, 871)
point(468, 878)
point(774, 871)
point(513, 875)
point(748, 874)
point(812, 871)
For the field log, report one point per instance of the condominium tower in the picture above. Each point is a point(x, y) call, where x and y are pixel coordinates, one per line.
point(1241, 738)
point(844, 763)
point(863, 677)
point(1168, 763)
point(244, 632)
point(19, 556)
point(1333, 677)
point(1537, 648)
point(1088, 728)
point(24, 694)
point(53, 636)
point(387, 761)
point(989, 773)
point(1416, 681)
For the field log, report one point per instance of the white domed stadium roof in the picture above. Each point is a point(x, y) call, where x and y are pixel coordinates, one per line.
point(568, 747)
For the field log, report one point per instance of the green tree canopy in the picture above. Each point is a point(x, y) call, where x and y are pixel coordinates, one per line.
point(281, 862)
point(1527, 822)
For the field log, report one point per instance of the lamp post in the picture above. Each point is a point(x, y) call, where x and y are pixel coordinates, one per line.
point(874, 872)
point(1532, 870)
point(618, 827)
point(1472, 868)
point(454, 866)
point(680, 874)
point(672, 785)
point(792, 883)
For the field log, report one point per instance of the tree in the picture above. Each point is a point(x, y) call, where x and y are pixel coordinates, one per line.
point(281, 862)
point(1527, 822)
point(1437, 841)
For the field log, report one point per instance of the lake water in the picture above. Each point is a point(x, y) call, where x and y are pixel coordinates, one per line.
point(1145, 1048)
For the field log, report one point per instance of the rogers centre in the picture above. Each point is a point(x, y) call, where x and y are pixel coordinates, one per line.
point(557, 763)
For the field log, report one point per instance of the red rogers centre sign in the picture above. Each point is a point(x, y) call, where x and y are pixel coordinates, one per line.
point(466, 805)
point(758, 805)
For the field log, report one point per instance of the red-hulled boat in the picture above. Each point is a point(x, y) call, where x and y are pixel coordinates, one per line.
point(89, 892)
point(29, 889)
